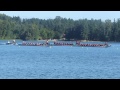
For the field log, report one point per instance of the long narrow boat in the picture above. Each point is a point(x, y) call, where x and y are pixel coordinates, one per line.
point(33, 44)
point(93, 45)
point(62, 44)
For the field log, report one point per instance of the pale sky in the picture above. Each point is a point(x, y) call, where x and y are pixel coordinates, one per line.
point(103, 15)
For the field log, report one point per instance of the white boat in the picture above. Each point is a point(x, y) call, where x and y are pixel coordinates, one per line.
point(11, 43)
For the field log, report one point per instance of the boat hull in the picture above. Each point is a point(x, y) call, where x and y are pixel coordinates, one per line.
point(102, 46)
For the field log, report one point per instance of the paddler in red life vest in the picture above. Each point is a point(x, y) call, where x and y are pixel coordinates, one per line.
point(77, 43)
point(24, 43)
point(55, 42)
point(47, 42)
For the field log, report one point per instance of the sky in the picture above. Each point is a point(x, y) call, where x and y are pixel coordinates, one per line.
point(75, 15)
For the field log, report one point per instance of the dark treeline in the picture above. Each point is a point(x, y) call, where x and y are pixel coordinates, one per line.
point(58, 28)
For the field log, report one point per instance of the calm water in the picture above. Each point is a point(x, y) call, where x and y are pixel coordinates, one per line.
point(66, 62)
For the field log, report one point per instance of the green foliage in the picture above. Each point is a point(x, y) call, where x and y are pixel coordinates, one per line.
point(37, 29)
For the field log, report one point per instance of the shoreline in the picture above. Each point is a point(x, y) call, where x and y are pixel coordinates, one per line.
point(57, 40)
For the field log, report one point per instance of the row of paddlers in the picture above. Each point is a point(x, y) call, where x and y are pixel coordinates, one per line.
point(63, 44)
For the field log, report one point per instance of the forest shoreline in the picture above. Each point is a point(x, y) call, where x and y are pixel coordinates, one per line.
point(58, 40)
point(59, 28)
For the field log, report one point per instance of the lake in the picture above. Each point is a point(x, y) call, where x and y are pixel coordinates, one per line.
point(59, 62)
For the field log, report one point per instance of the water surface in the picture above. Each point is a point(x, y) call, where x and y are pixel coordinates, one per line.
point(59, 62)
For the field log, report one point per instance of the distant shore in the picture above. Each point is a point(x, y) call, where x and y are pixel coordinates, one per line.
point(59, 40)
